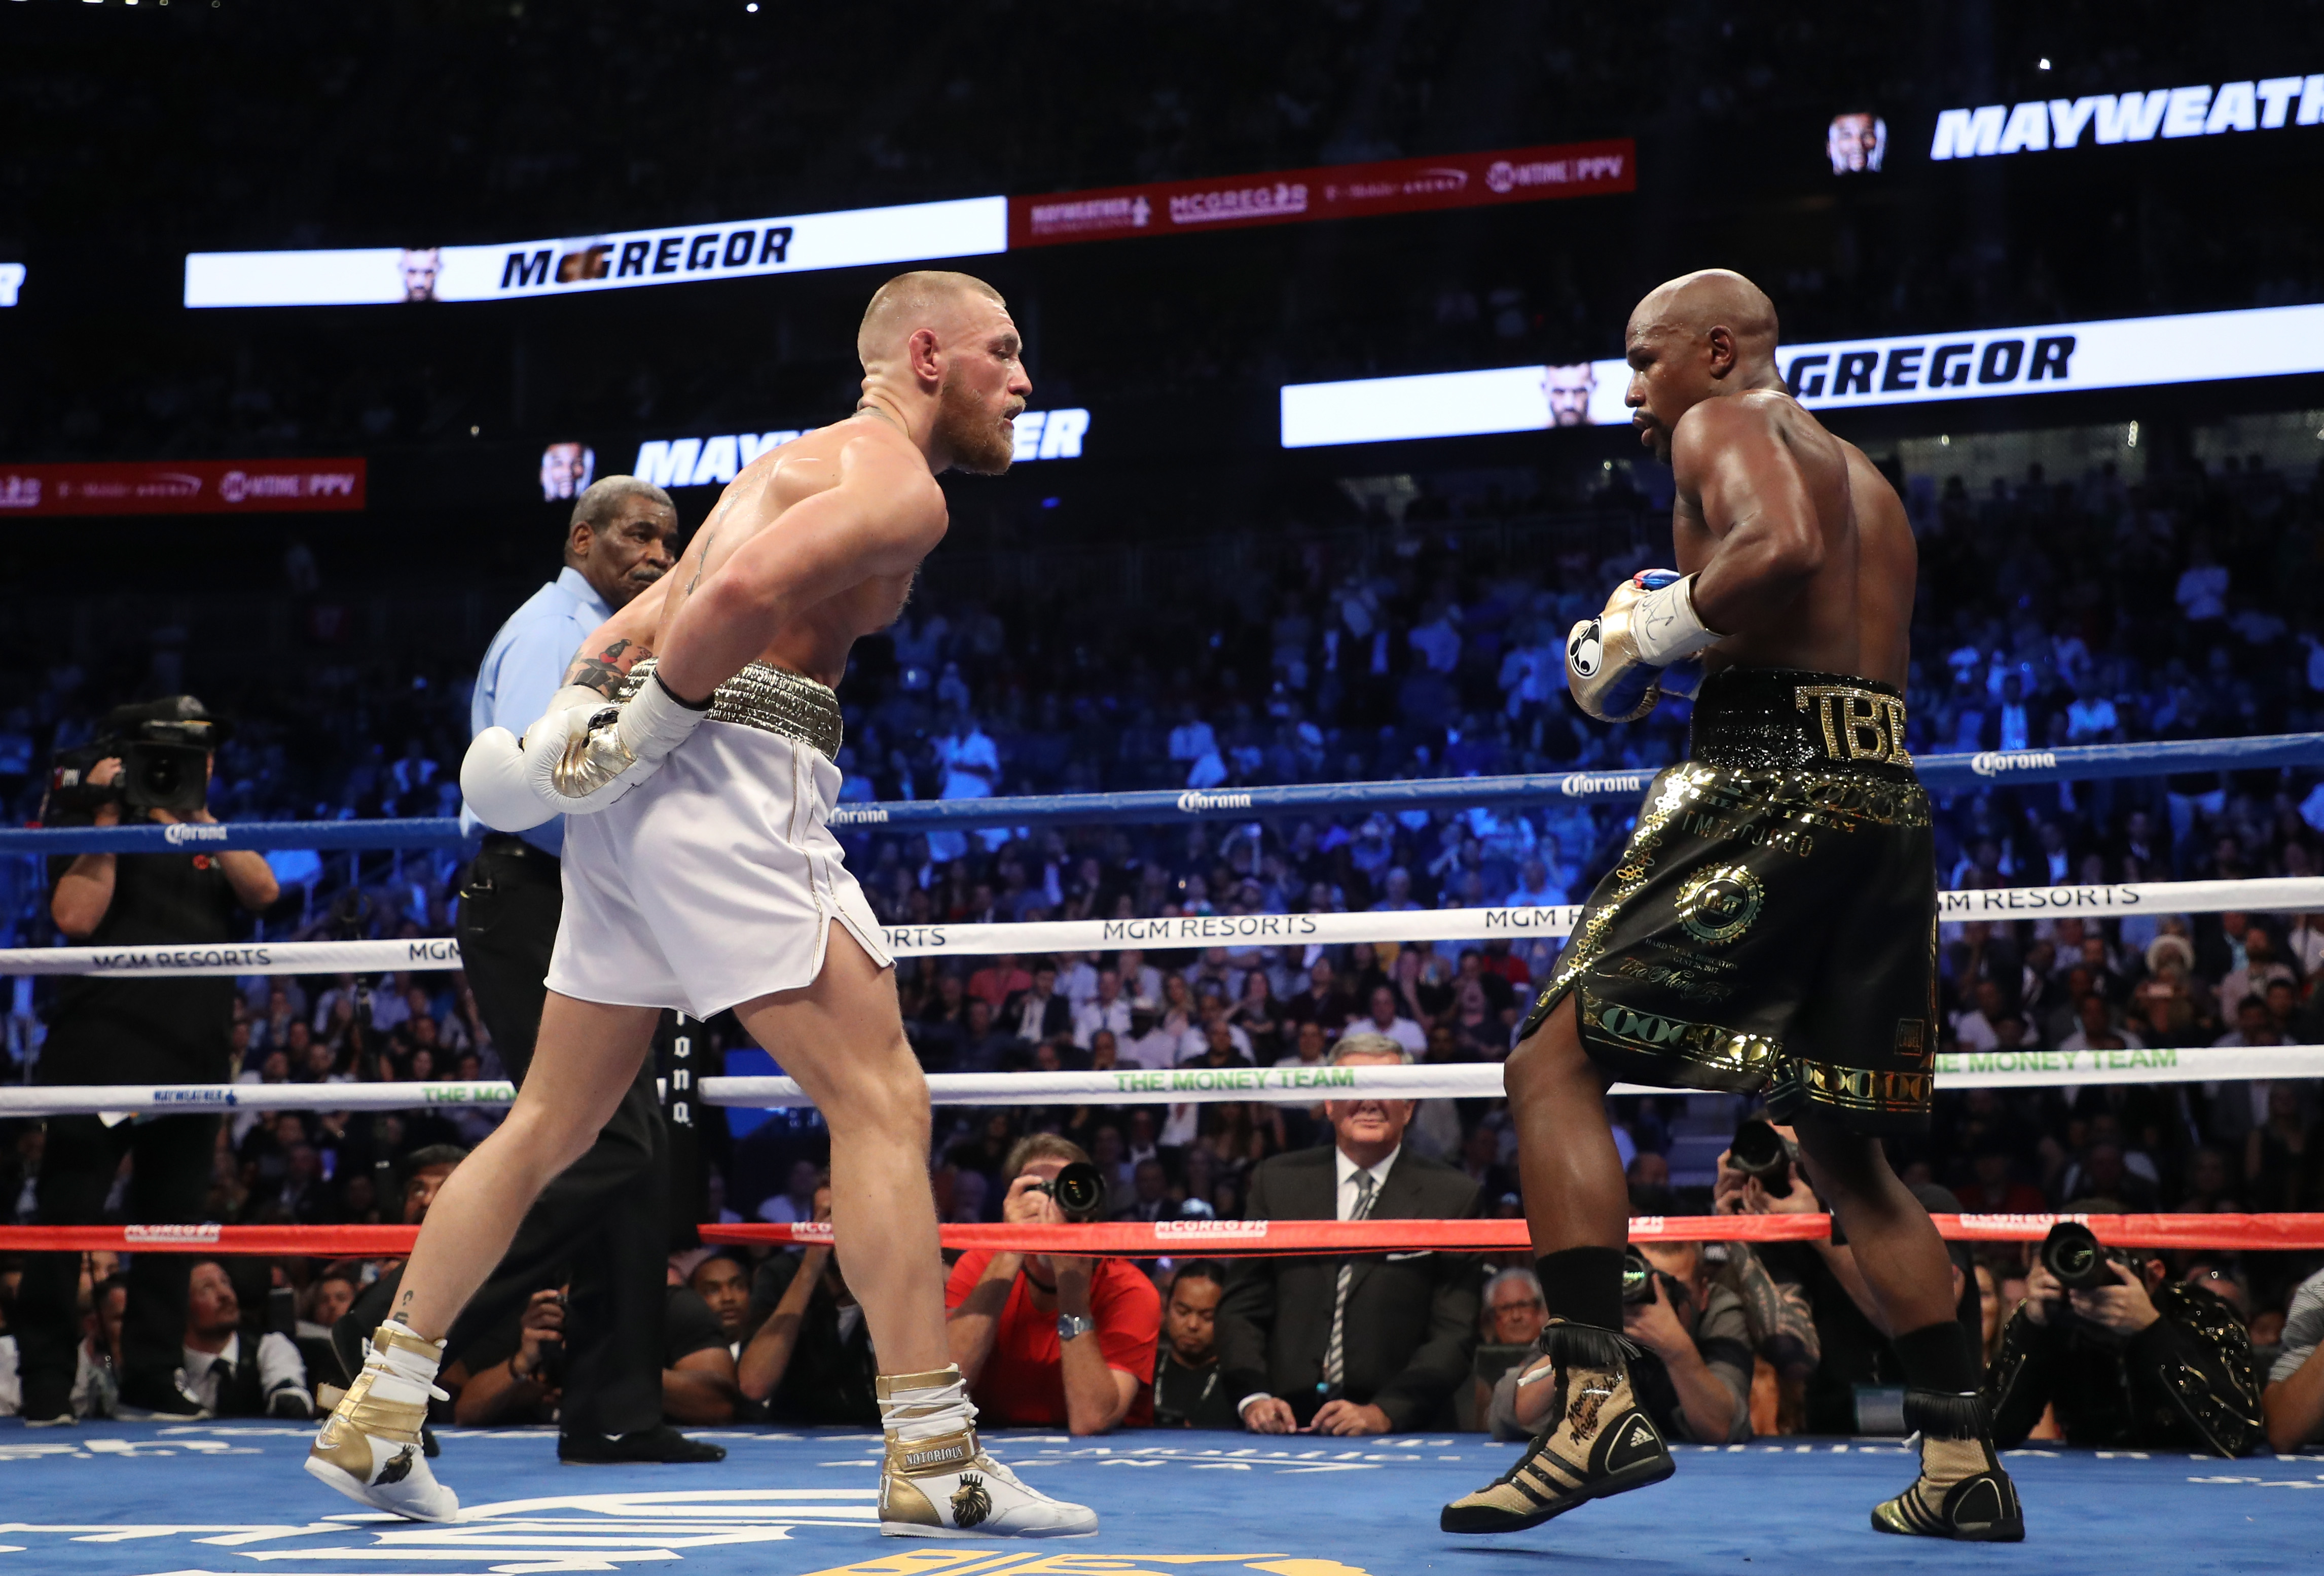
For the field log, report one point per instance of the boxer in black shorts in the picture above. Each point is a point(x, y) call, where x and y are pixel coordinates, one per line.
point(1771, 925)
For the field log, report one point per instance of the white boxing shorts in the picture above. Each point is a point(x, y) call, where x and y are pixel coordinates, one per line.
point(716, 880)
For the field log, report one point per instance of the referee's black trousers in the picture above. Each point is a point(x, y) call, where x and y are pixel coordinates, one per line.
point(605, 1219)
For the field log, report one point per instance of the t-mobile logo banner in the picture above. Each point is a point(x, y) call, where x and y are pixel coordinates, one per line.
point(700, 461)
point(1979, 363)
point(739, 249)
point(2050, 125)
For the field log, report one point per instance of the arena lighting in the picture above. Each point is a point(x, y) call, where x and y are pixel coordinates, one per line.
point(507, 270)
point(2122, 353)
point(698, 462)
point(11, 280)
point(2052, 126)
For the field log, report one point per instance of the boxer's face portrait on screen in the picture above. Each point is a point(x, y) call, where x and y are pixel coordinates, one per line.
point(420, 266)
point(1567, 390)
point(1855, 143)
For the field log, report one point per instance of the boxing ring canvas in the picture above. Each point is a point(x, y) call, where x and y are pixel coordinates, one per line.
point(156, 1499)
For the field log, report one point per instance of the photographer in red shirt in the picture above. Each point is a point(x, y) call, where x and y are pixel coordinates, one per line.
point(1047, 1340)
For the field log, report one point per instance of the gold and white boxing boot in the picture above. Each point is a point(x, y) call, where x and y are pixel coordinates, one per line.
point(937, 1482)
point(369, 1447)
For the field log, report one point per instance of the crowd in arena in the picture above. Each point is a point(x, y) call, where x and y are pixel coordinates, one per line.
point(2168, 609)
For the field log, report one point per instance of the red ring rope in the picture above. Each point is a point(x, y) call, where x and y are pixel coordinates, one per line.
point(1221, 1238)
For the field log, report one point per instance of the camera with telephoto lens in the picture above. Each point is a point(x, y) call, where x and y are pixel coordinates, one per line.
point(1759, 1150)
point(1080, 1192)
point(164, 749)
point(2078, 1261)
point(1638, 1277)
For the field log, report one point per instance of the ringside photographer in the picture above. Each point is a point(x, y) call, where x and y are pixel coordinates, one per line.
point(1050, 1339)
point(151, 765)
point(2124, 1355)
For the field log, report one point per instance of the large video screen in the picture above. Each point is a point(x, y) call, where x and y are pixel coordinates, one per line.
point(2053, 358)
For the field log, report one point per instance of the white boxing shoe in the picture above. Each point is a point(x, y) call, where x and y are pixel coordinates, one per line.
point(370, 1448)
point(948, 1488)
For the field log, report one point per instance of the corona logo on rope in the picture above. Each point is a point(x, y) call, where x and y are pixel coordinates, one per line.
point(1194, 801)
point(185, 832)
point(1583, 785)
point(1996, 762)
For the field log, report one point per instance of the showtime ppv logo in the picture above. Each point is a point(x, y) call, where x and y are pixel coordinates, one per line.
point(1504, 177)
point(702, 462)
point(2052, 125)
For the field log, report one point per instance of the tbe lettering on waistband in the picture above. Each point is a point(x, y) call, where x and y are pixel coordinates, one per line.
point(1858, 724)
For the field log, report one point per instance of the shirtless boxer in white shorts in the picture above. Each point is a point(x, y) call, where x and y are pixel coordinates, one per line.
point(699, 875)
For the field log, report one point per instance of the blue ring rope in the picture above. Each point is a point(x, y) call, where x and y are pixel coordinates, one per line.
point(2079, 764)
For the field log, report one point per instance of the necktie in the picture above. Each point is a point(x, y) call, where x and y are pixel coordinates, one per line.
point(1335, 1356)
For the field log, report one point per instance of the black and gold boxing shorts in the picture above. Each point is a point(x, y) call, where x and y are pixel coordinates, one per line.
point(1772, 922)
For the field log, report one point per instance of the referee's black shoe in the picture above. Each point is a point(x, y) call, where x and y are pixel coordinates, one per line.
point(660, 1443)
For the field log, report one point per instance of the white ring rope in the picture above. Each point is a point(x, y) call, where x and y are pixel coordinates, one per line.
point(2270, 894)
point(1175, 1086)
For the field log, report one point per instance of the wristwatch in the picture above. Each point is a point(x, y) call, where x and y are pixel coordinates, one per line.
point(1071, 1325)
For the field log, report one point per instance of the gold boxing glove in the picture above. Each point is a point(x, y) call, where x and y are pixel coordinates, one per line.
point(1615, 663)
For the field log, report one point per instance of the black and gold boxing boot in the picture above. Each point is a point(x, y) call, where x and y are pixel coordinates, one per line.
point(1961, 1493)
point(1595, 1440)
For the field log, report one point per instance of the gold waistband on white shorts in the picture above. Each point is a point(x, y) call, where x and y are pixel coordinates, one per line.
point(772, 700)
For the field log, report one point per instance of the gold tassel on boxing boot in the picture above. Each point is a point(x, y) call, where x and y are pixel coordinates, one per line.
point(1961, 1493)
point(1595, 1440)
point(937, 1482)
point(371, 1448)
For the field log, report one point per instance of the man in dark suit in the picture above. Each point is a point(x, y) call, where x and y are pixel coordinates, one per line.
point(1038, 1013)
point(1352, 1345)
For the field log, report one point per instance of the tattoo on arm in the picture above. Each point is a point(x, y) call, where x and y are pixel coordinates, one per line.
point(708, 540)
point(1782, 1323)
point(605, 670)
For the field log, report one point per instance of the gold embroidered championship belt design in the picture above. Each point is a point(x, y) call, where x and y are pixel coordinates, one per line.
point(1771, 924)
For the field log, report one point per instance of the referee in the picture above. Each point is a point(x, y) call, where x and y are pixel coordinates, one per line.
point(607, 1217)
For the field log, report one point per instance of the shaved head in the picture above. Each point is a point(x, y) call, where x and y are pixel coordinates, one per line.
point(927, 298)
point(1693, 304)
point(1696, 337)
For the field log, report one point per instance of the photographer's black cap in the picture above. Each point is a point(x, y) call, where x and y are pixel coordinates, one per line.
point(174, 719)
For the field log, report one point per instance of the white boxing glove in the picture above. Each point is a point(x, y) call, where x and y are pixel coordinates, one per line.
point(580, 760)
point(493, 778)
point(494, 783)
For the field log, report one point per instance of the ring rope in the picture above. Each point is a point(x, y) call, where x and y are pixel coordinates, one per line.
point(2066, 763)
point(2263, 895)
point(1203, 1238)
point(1139, 1087)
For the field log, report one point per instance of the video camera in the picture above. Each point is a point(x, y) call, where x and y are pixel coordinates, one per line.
point(164, 748)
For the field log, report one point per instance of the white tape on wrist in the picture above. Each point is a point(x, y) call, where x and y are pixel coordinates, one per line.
point(1664, 628)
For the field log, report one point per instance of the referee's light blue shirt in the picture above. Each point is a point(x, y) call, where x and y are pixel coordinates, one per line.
point(524, 666)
